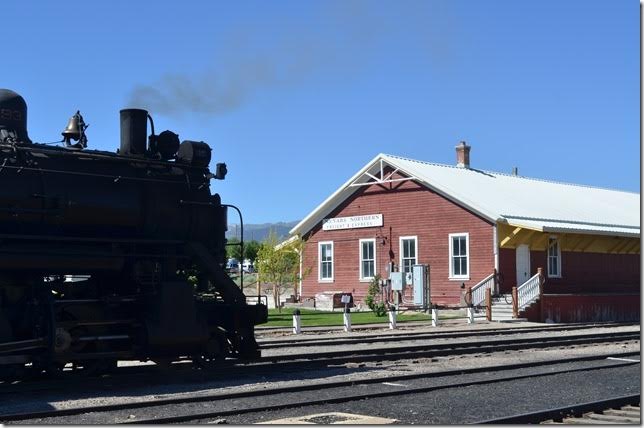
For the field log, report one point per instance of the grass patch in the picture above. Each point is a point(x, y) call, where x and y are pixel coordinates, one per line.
point(311, 318)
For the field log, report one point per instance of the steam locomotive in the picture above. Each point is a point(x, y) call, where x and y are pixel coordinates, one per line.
point(113, 256)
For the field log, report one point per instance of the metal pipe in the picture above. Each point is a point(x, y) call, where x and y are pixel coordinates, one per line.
point(107, 337)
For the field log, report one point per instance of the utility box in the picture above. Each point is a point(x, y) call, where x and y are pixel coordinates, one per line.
point(397, 280)
point(420, 275)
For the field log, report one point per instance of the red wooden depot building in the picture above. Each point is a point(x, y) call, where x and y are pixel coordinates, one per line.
point(467, 224)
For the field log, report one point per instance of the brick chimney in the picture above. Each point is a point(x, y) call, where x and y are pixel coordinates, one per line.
point(463, 155)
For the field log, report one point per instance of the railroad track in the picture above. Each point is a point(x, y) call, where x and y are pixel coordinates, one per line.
point(431, 350)
point(616, 410)
point(415, 335)
point(320, 360)
point(207, 406)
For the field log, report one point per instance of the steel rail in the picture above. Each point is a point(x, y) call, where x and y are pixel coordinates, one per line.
point(313, 341)
point(334, 384)
point(560, 413)
point(336, 400)
point(290, 363)
point(440, 349)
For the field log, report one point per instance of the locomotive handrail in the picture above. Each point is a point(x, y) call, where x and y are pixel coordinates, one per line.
point(115, 178)
point(182, 202)
point(63, 151)
point(80, 239)
point(241, 243)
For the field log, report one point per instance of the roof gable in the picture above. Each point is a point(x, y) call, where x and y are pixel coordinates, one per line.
point(526, 202)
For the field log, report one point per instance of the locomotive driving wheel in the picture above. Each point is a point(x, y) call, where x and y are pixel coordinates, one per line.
point(215, 351)
point(67, 343)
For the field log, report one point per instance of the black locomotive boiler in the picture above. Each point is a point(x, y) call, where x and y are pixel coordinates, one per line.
point(111, 256)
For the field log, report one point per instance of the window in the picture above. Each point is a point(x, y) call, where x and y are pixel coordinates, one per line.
point(554, 258)
point(325, 255)
point(367, 259)
point(408, 253)
point(459, 252)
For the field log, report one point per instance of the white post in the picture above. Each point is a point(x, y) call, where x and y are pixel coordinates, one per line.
point(434, 317)
point(392, 318)
point(470, 315)
point(297, 326)
point(347, 319)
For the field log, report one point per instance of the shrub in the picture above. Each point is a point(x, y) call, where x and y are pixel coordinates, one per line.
point(374, 297)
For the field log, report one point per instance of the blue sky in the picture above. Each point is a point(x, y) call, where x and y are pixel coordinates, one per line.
point(296, 96)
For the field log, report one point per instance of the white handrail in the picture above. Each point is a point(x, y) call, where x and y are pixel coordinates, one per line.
point(528, 292)
point(478, 291)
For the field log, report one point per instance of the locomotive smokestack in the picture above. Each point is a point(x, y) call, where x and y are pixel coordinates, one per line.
point(134, 131)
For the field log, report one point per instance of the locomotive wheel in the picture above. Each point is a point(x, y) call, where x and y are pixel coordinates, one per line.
point(215, 351)
point(163, 363)
point(11, 372)
point(98, 367)
point(56, 369)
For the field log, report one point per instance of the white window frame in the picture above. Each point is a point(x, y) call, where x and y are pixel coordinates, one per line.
point(451, 256)
point(320, 244)
point(401, 249)
point(558, 256)
point(362, 260)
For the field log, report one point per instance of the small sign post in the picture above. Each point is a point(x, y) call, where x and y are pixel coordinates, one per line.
point(392, 318)
point(347, 315)
point(470, 314)
point(297, 326)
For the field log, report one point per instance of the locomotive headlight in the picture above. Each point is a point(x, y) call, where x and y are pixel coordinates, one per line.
point(221, 171)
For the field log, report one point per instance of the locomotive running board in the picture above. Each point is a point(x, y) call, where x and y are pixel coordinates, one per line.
point(23, 345)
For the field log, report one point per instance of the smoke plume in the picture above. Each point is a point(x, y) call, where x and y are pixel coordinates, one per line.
point(298, 50)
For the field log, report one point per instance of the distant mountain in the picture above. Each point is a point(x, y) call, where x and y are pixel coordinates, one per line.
point(259, 232)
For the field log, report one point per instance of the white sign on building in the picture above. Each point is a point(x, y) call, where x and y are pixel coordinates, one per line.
point(354, 222)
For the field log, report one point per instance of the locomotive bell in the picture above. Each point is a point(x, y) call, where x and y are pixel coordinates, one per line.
point(75, 130)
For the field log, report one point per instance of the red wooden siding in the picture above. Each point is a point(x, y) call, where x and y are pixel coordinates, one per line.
point(589, 308)
point(581, 272)
point(408, 209)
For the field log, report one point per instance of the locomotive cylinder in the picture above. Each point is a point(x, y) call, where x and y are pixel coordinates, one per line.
point(134, 132)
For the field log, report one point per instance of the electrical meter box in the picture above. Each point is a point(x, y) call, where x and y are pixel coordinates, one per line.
point(397, 280)
point(409, 278)
point(421, 284)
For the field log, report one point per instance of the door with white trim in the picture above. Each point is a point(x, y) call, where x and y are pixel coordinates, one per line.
point(523, 264)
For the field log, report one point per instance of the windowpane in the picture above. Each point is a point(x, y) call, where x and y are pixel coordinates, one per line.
point(326, 261)
point(367, 259)
point(554, 255)
point(408, 254)
point(459, 256)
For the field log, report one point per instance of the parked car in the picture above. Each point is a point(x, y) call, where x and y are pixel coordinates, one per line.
point(232, 265)
point(248, 266)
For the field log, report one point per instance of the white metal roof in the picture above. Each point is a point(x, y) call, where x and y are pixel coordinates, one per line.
point(520, 201)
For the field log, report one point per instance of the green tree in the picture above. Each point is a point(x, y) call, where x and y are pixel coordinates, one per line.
point(251, 249)
point(233, 249)
point(278, 264)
